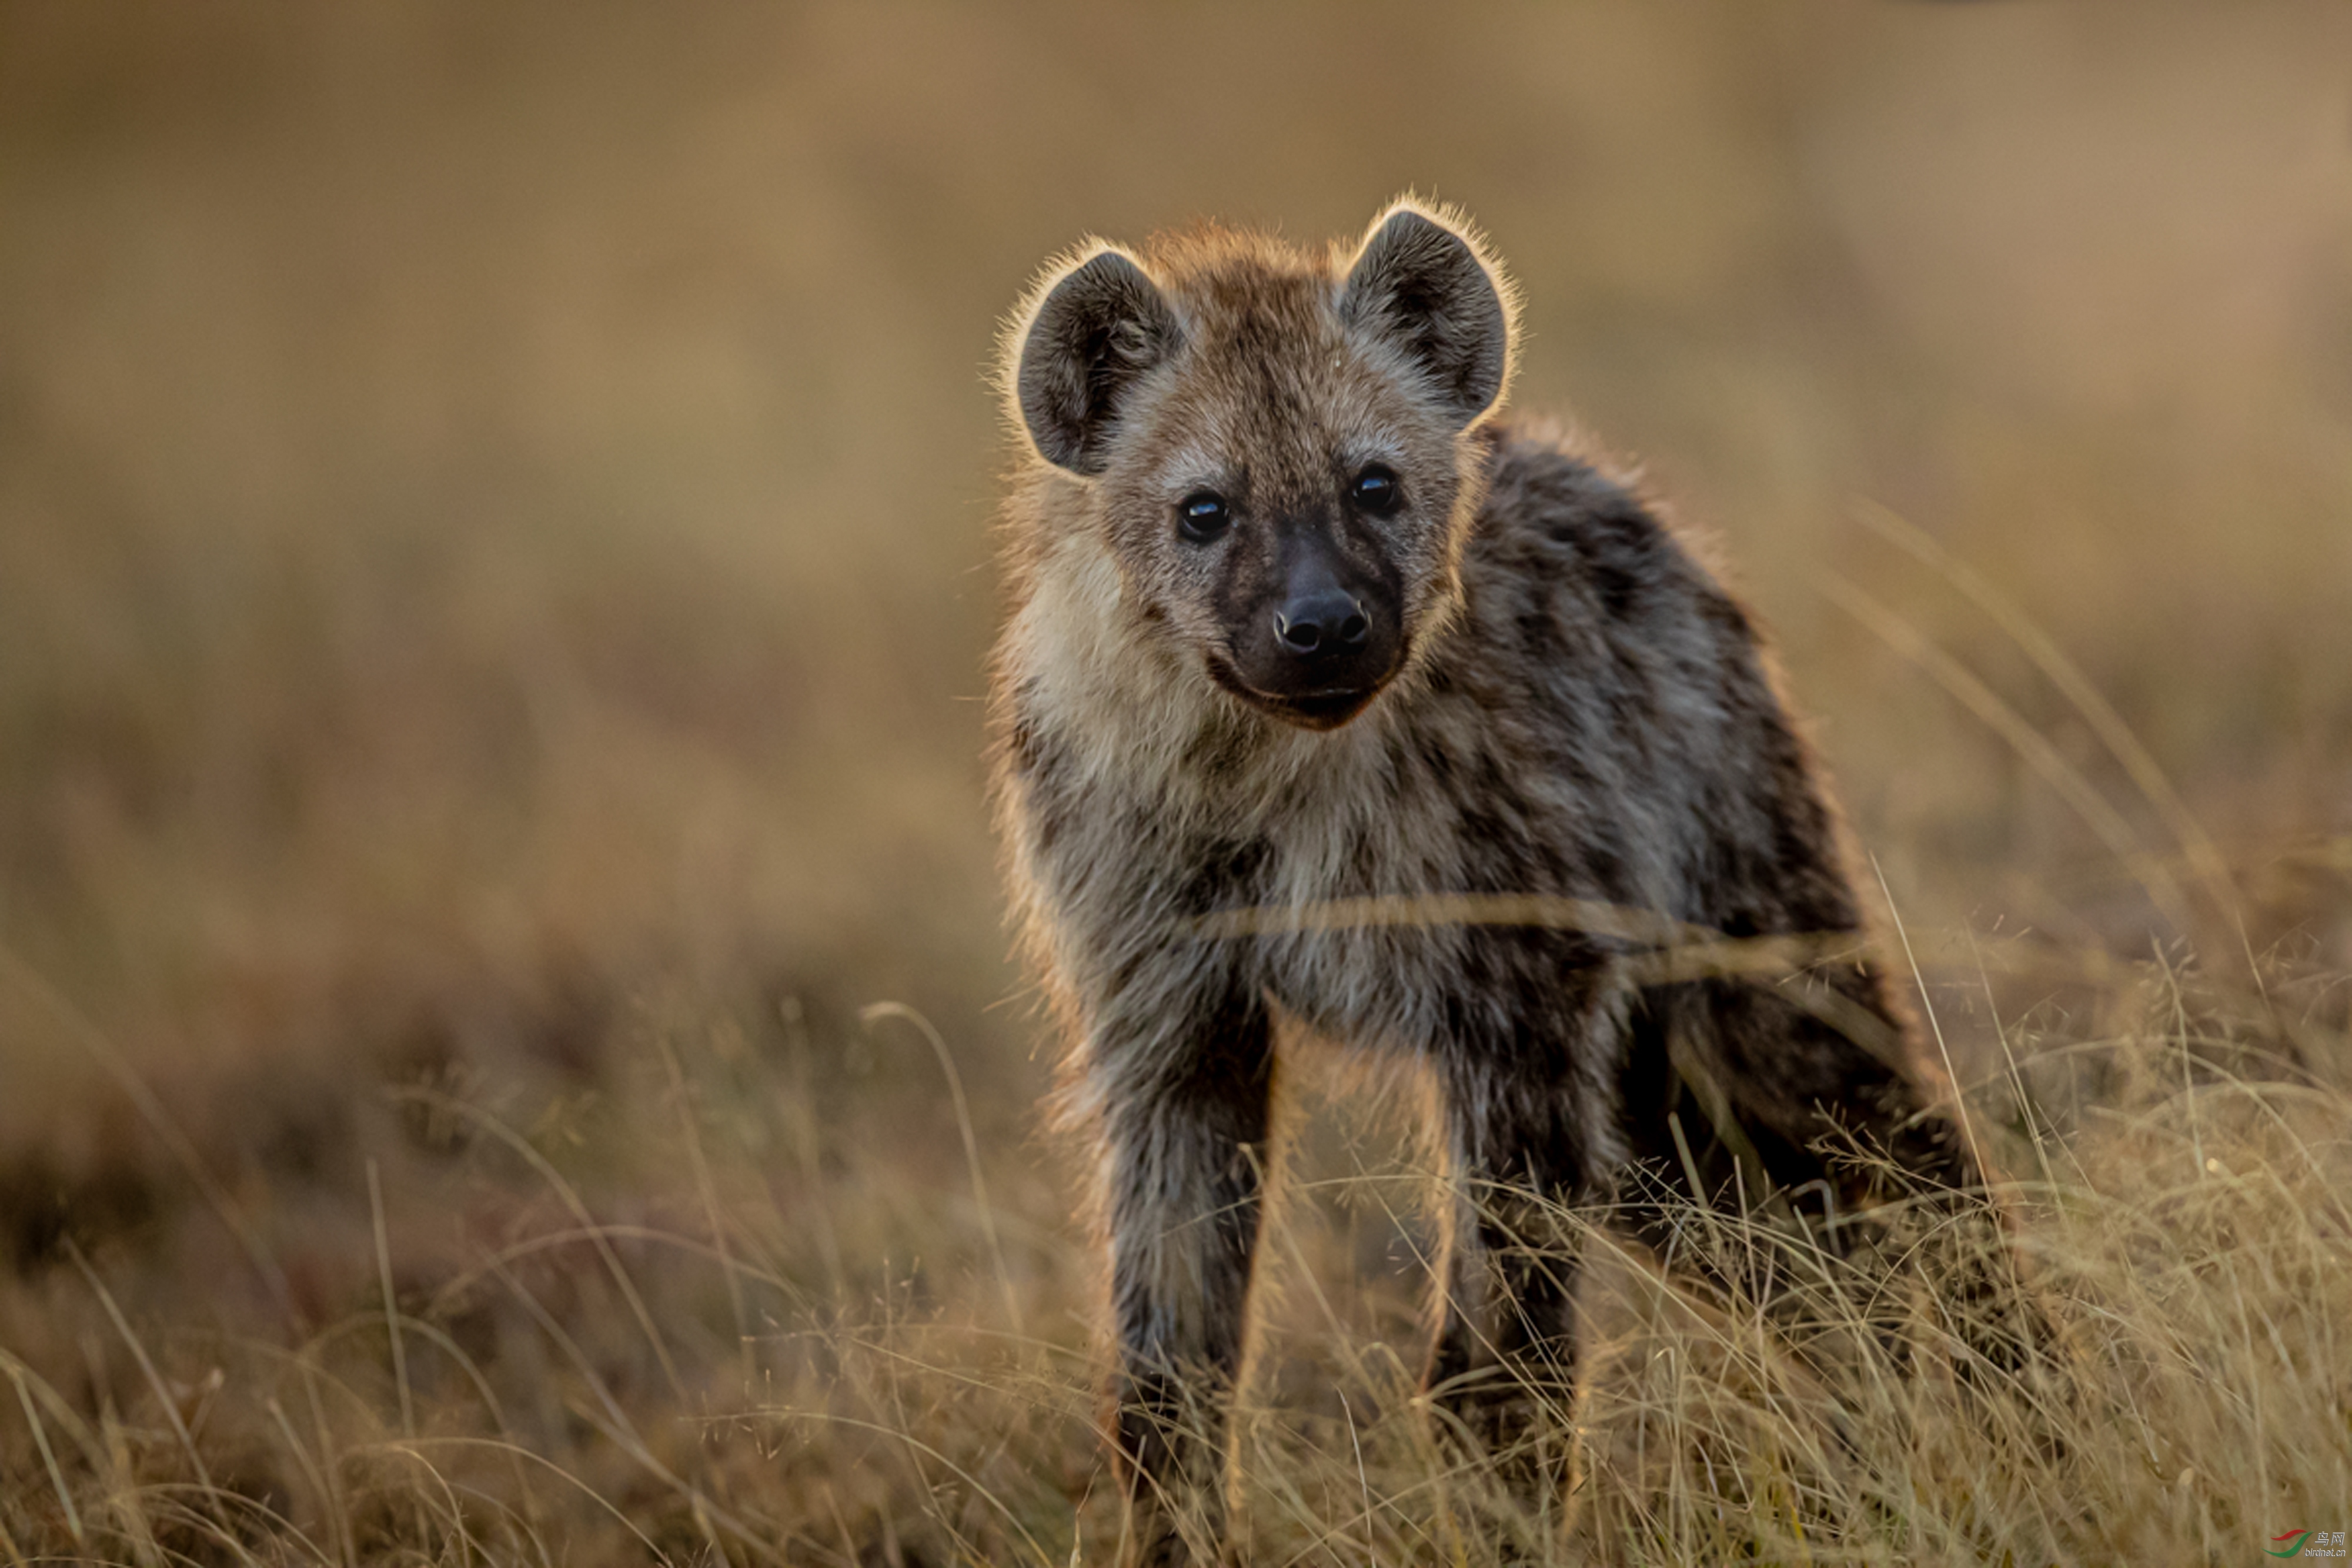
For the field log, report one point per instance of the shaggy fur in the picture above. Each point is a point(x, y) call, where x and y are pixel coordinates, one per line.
point(1555, 705)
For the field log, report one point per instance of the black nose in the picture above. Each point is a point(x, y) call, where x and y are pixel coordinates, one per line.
point(1326, 620)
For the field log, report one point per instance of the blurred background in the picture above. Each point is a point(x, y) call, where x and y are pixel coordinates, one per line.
point(496, 506)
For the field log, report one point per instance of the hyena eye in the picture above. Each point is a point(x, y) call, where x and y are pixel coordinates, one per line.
point(1202, 515)
point(1377, 493)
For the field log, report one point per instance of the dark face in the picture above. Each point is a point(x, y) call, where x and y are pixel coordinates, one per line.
point(1277, 452)
point(1312, 608)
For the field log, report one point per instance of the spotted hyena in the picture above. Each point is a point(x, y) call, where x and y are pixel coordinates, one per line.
point(1330, 696)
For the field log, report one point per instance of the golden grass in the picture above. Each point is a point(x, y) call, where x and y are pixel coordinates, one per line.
point(692, 1378)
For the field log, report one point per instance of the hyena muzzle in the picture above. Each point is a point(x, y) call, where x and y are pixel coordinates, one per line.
point(1327, 694)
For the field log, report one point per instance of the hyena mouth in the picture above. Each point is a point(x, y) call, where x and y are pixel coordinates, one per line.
point(1319, 710)
point(1327, 707)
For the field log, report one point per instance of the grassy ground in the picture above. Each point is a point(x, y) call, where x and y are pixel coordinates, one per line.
point(493, 582)
point(715, 1311)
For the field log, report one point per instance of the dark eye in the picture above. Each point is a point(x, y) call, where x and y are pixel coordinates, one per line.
point(1203, 515)
point(1377, 493)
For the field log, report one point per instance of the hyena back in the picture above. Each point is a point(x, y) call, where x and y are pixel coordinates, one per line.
point(1301, 631)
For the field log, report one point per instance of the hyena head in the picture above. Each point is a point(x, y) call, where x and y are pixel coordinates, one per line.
point(1276, 444)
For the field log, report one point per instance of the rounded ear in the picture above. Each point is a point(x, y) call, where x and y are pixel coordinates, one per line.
point(1424, 287)
point(1096, 329)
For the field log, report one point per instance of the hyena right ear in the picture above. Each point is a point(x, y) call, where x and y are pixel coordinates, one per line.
point(1098, 328)
point(1426, 288)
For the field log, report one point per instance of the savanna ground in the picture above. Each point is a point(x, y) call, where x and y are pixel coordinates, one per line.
point(508, 1054)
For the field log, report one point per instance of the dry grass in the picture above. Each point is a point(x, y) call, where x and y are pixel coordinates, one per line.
point(492, 580)
point(648, 1342)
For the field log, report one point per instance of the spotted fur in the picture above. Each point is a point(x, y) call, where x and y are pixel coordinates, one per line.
point(1576, 708)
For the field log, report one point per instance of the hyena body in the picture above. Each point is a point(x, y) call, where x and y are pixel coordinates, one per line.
point(1301, 631)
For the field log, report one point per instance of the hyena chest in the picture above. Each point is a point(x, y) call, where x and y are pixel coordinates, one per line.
point(1350, 920)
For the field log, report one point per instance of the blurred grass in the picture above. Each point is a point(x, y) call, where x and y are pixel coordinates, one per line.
point(493, 582)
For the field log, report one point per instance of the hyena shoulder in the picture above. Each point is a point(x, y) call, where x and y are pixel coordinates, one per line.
point(1601, 661)
point(1569, 569)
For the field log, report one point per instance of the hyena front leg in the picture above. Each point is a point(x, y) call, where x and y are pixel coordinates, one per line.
point(1186, 1118)
point(1504, 1357)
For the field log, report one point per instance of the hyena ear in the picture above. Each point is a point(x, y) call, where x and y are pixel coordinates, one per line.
point(1098, 328)
point(1424, 287)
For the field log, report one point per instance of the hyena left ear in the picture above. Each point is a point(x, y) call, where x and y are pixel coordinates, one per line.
point(1424, 287)
point(1099, 327)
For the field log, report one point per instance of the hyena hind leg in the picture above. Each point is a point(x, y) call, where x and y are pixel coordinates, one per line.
point(1786, 1165)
